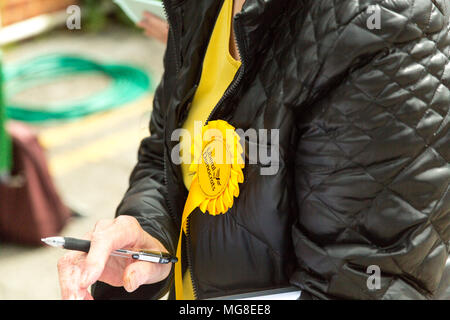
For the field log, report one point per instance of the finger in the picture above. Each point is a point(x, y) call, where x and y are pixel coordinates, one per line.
point(88, 296)
point(87, 236)
point(140, 273)
point(101, 247)
point(151, 16)
point(74, 288)
point(155, 28)
point(99, 227)
point(141, 25)
point(81, 294)
point(107, 237)
point(147, 25)
point(102, 225)
point(160, 36)
point(71, 288)
point(153, 22)
point(150, 20)
point(69, 272)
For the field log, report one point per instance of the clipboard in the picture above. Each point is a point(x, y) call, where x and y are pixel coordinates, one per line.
point(134, 9)
point(287, 293)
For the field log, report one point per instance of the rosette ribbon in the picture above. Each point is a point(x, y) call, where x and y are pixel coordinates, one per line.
point(217, 171)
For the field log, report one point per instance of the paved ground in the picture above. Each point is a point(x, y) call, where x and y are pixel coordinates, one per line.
point(90, 159)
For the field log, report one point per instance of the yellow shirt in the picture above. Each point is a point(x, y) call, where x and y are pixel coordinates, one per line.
point(218, 71)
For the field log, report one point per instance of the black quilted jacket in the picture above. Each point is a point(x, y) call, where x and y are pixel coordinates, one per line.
point(364, 172)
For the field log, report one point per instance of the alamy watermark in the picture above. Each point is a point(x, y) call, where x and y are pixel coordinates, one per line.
point(73, 21)
point(374, 20)
point(261, 147)
point(374, 280)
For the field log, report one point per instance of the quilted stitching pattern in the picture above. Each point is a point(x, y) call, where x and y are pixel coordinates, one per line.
point(372, 169)
point(385, 128)
point(364, 146)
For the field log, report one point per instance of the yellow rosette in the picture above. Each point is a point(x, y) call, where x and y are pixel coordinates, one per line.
point(217, 168)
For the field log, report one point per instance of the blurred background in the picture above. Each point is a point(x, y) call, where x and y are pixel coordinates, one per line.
point(77, 96)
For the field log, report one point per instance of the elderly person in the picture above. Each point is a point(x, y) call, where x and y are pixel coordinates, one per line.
point(359, 206)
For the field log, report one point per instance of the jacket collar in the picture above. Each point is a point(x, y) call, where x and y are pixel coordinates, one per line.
point(258, 17)
point(255, 20)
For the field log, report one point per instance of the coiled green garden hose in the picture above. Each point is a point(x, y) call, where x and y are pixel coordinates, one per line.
point(127, 84)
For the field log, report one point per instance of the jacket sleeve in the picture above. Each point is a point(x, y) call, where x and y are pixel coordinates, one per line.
point(372, 160)
point(145, 198)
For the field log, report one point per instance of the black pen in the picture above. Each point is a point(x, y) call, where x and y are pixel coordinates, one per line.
point(84, 246)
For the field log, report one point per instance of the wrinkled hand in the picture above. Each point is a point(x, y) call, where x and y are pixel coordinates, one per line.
point(154, 27)
point(78, 270)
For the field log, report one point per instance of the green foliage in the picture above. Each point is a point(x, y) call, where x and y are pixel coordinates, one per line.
point(97, 14)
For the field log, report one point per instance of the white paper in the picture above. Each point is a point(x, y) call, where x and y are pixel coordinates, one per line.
point(294, 295)
point(287, 293)
point(134, 9)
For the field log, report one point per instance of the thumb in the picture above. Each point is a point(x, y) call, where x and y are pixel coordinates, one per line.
point(139, 273)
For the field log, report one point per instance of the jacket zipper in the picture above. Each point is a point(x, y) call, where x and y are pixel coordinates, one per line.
point(171, 212)
point(177, 68)
point(166, 9)
point(234, 85)
point(189, 258)
point(228, 93)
